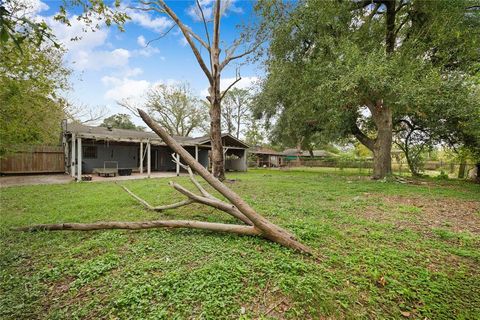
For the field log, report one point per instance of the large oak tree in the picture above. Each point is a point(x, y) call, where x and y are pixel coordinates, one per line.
point(356, 67)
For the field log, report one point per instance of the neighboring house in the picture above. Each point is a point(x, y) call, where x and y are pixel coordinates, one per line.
point(293, 154)
point(89, 148)
point(265, 157)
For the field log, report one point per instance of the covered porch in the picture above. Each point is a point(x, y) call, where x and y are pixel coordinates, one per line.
point(113, 152)
point(96, 157)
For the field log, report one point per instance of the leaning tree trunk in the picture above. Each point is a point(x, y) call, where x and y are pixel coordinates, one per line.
point(382, 159)
point(255, 224)
point(267, 229)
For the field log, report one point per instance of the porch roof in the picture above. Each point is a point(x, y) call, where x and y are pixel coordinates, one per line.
point(125, 135)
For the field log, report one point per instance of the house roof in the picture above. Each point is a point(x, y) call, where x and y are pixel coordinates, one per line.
point(302, 153)
point(266, 151)
point(125, 135)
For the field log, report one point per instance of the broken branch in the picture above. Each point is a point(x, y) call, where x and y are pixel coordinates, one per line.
point(157, 208)
point(220, 227)
point(268, 230)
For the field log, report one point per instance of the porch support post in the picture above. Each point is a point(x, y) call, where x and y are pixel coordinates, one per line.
point(141, 157)
point(72, 157)
point(149, 158)
point(178, 164)
point(245, 159)
point(196, 153)
point(79, 159)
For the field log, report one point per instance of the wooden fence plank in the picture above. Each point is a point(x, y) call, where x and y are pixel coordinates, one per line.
point(40, 159)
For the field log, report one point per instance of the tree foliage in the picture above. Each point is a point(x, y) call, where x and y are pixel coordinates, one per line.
point(17, 27)
point(236, 110)
point(358, 67)
point(176, 109)
point(31, 109)
point(120, 121)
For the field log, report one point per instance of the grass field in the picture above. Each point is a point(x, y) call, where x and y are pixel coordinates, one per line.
point(386, 250)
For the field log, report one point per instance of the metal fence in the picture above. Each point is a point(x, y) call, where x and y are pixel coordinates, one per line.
point(431, 168)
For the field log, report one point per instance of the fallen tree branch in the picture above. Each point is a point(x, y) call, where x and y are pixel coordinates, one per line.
point(220, 227)
point(216, 203)
point(207, 199)
point(157, 208)
point(238, 208)
point(269, 230)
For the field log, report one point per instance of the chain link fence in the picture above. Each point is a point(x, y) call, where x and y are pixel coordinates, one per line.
point(450, 169)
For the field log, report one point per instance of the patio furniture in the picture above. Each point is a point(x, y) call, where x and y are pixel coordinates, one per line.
point(110, 169)
point(125, 171)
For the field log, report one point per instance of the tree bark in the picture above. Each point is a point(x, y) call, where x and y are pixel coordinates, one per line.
point(218, 165)
point(461, 169)
point(218, 168)
point(382, 146)
point(219, 227)
point(477, 179)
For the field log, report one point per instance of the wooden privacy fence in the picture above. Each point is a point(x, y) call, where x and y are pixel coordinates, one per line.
point(41, 159)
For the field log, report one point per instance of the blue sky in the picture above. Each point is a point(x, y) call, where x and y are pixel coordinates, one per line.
point(109, 65)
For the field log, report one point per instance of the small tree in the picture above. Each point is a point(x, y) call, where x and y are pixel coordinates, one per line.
point(236, 110)
point(120, 121)
point(31, 77)
point(175, 108)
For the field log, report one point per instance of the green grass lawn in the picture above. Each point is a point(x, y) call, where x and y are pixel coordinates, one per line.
point(386, 250)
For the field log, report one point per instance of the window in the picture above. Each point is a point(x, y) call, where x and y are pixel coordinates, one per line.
point(90, 152)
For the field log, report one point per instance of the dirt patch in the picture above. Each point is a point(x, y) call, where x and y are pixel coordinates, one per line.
point(426, 213)
point(24, 180)
point(271, 302)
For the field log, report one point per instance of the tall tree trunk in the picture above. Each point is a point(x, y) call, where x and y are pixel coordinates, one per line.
point(461, 169)
point(477, 179)
point(382, 147)
point(213, 73)
point(382, 115)
point(218, 168)
point(238, 122)
point(411, 165)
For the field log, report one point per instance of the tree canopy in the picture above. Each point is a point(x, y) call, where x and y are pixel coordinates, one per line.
point(358, 67)
point(120, 121)
point(175, 108)
point(30, 81)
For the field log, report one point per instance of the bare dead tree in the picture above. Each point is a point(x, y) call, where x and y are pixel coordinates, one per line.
point(84, 114)
point(255, 224)
point(213, 71)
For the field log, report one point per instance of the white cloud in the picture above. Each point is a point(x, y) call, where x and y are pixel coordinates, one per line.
point(86, 38)
point(183, 42)
point(244, 83)
point(141, 41)
point(26, 8)
point(123, 88)
point(207, 7)
point(132, 72)
point(99, 59)
point(159, 24)
point(146, 50)
point(87, 48)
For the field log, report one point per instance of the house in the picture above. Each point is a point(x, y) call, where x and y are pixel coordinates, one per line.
point(88, 149)
point(265, 157)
